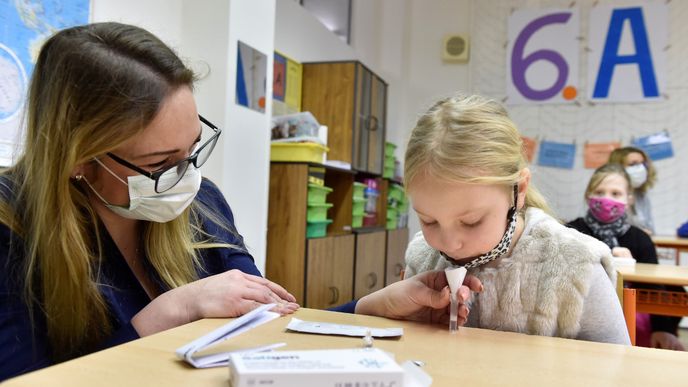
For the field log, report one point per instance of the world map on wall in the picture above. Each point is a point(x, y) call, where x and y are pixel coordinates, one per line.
point(24, 26)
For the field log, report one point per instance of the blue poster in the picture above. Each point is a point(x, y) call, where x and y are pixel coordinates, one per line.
point(657, 146)
point(556, 154)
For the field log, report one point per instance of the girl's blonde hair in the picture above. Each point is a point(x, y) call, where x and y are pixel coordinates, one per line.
point(469, 139)
point(602, 173)
point(618, 156)
point(93, 87)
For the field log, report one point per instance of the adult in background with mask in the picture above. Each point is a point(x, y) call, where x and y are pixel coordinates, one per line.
point(643, 176)
point(108, 232)
point(607, 196)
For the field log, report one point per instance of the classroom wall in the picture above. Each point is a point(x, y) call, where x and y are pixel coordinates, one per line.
point(599, 123)
point(402, 39)
point(205, 34)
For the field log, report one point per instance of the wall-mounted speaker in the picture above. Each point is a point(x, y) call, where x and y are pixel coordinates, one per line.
point(455, 48)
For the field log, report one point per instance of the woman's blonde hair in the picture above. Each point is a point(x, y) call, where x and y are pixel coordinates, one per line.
point(469, 139)
point(93, 87)
point(618, 156)
point(602, 173)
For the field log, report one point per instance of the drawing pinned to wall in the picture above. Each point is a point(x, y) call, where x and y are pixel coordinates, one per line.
point(279, 77)
point(658, 146)
point(25, 26)
point(251, 76)
point(627, 58)
point(538, 70)
point(597, 154)
point(529, 145)
point(556, 154)
point(286, 85)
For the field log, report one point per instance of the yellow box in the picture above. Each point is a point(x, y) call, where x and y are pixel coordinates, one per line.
point(300, 151)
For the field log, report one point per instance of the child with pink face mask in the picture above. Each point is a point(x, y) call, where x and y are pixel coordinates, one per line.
point(608, 196)
point(469, 182)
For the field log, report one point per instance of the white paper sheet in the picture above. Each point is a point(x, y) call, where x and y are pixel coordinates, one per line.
point(340, 329)
point(240, 325)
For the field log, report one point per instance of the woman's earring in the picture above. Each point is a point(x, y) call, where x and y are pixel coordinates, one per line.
point(78, 177)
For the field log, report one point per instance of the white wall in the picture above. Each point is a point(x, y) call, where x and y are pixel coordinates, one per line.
point(401, 40)
point(205, 34)
point(610, 122)
point(299, 35)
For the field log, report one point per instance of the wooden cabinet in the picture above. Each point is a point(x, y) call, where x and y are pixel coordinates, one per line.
point(370, 263)
point(397, 241)
point(332, 270)
point(329, 265)
point(351, 100)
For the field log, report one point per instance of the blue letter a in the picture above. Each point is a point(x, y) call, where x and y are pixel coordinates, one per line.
point(642, 56)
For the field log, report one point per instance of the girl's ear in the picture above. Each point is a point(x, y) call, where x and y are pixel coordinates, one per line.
point(523, 183)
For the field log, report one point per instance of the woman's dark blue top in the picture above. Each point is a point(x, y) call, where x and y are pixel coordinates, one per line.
point(26, 348)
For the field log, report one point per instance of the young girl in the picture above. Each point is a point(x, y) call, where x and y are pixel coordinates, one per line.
point(607, 196)
point(643, 176)
point(467, 179)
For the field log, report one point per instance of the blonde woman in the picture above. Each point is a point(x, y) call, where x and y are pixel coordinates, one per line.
point(468, 181)
point(643, 176)
point(107, 230)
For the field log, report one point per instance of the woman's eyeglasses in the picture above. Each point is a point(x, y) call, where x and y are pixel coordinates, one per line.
point(168, 177)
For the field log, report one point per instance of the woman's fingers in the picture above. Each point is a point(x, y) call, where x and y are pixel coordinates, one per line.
point(277, 289)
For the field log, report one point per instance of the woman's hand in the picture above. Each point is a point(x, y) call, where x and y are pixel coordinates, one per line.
point(423, 297)
point(229, 294)
point(665, 340)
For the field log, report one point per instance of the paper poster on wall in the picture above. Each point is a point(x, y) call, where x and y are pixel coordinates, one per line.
point(626, 58)
point(529, 145)
point(596, 155)
point(279, 77)
point(25, 26)
point(556, 154)
point(658, 146)
point(542, 56)
point(251, 77)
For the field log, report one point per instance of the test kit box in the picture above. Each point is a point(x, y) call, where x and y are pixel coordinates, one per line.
point(335, 368)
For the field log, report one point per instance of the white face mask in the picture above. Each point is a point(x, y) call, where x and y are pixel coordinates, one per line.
point(638, 174)
point(146, 204)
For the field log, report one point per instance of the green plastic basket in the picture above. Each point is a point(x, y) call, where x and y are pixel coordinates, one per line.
point(390, 148)
point(357, 221)
point(317, 193)
point(317, 229)
point(388, 172)
point(359, 189)
point(359, 206)
point(317, 212)
point(391, 224)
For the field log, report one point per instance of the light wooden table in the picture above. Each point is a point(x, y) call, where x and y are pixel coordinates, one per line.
point(470, 357)
point(673, 242)
point(654, 301)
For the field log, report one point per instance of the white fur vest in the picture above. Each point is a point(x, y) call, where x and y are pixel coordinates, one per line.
point(540, 288)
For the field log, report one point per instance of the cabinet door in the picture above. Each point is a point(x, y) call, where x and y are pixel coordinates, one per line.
point(376, 126)
point(362, 118)
point(370, 263)
point(330, 266)
point(397, 241)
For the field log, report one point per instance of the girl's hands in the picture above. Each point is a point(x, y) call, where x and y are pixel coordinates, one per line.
point(423, 297)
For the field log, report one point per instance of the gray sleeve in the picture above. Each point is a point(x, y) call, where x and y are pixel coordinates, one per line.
point(602, 319)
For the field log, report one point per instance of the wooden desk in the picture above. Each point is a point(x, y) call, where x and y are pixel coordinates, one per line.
point(673, 242)
point(471, 357)
point(653, 301)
